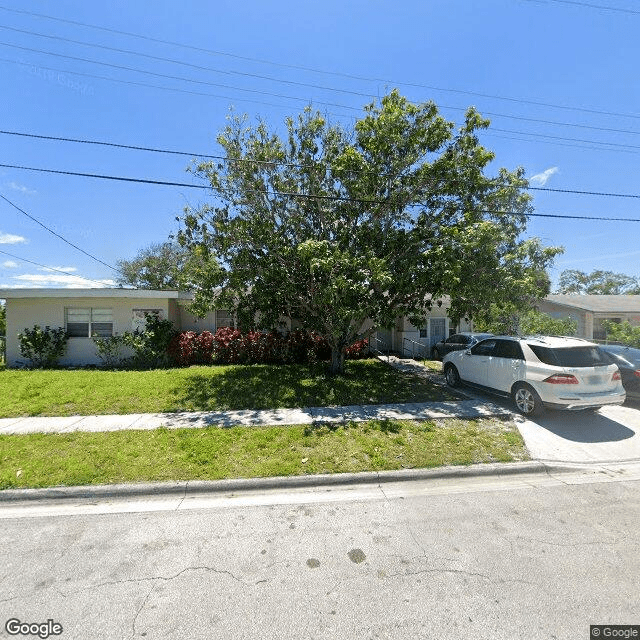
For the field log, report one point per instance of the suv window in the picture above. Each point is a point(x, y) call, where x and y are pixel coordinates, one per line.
point(508, 349)
point(484, 348)
point(570, 356)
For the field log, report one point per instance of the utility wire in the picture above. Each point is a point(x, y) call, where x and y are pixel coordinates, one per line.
point(164, 75)
point(314, 70)
point(597, 6)
point(174, 89)
point(292, 82)
point(66, 273)
point(249, 161)
point(315, 197)
point(44, 226)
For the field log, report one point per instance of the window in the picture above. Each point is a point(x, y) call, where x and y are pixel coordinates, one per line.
point(423, 333)
point(570, 356)
point(139, 318)
point(87, 322)
point(223, 319)
point(509, 349)
point(484, 348)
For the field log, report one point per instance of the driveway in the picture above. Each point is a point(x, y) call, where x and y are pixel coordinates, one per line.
point(611, 434)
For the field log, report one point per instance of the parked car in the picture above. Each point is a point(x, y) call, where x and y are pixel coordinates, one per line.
point(539, 372)
point(457, 342)
point(628, 361)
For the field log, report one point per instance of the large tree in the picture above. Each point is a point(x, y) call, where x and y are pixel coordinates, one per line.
point(348, 230)
point(165, 266)
point(598, 283)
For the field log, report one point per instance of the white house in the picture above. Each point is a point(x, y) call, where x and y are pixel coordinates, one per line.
point(85, 313)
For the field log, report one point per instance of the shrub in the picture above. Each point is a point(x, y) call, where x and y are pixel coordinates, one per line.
point(357, 350)
point(43, 347)
point(189, 348)
point(109, 350)
point(151, 346)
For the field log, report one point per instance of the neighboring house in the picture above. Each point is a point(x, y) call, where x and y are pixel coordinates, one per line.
point(85, 313)
point(589, 311)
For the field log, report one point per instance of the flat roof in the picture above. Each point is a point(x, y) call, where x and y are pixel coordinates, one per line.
point(598, 304)
point(9, 294)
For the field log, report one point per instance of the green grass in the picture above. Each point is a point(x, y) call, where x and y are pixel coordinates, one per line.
point(89, 392)
point(45, 460)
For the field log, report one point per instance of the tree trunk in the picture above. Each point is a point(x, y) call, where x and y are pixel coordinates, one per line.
point(337, 361)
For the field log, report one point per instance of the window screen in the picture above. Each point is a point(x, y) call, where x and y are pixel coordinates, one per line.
point(86, 322)
point(223, 319)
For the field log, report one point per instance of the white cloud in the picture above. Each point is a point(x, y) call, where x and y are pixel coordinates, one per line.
point(9, 238)
point(540, 179)
point(21, 188)
point(53, 269)
point(68, 282)
point(9, 264)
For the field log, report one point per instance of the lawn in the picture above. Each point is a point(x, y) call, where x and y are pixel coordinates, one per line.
point(88, 392)
point(45, 460)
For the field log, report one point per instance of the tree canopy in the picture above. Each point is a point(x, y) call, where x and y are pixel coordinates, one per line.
point(598, 283)
point(164, 266)
point(346, 230)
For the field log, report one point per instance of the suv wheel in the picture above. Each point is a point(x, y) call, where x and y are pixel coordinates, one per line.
point(451, 375)
point(527, 401)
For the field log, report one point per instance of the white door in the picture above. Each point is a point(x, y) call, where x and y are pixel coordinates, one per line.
point(436, 331)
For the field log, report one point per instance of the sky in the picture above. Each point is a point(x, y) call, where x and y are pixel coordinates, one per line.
point(557, 78)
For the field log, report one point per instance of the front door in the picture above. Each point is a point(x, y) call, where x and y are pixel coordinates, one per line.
point(436, 331)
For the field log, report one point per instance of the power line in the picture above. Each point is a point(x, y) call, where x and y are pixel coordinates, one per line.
point(597, 6)
point(244, 160)
point(173, 89)
point(44, 226)
point(314, 70)
point(66, 273)
point(317, 197)
point(186, 64)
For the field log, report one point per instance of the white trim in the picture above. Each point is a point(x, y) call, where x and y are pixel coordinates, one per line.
point(9, 294)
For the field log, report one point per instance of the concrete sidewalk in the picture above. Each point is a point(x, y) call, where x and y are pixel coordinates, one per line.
point(473, 408)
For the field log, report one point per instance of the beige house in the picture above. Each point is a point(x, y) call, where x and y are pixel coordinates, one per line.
point(85, 313)
point(589, 311)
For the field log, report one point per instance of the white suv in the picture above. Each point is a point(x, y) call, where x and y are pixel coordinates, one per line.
point(538, 372)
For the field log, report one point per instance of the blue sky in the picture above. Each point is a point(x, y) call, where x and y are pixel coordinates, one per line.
point(557, 78)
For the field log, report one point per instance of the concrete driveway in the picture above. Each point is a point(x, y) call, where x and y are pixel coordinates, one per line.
point(612, 434)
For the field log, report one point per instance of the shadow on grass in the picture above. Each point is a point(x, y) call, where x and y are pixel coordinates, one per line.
point(288, 386)
point(326, 428)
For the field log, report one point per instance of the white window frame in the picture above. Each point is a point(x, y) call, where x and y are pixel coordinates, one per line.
point(92, 319)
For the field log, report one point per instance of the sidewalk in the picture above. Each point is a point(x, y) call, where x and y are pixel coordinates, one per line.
point(309, 415)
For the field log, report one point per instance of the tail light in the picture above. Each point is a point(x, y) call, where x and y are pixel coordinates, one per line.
point(617, 376)
point(637, 373)
point(561, 378)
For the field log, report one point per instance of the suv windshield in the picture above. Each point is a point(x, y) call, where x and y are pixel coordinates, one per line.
point(570, 356)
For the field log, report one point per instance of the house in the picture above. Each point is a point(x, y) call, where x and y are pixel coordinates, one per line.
point(85, 313)
point(589, 311)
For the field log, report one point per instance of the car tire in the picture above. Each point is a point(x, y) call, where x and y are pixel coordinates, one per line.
point(527, 400)
point(451, 375)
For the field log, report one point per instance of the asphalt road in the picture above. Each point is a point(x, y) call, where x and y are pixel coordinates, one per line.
point(540, 556)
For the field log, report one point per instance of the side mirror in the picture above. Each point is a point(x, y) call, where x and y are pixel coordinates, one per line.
point(467, 352)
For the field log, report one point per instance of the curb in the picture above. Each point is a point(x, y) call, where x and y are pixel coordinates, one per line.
point(195, 487)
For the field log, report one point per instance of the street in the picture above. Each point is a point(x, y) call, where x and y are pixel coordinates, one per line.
point(523, 556)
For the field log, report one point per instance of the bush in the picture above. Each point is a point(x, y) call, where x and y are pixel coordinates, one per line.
point(43, 347)
point(151, 346)
point(231, 346)
point(109, 350)
point(623, 332)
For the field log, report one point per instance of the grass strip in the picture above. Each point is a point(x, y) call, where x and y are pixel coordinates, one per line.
point(97, 392)
point(81, 458)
